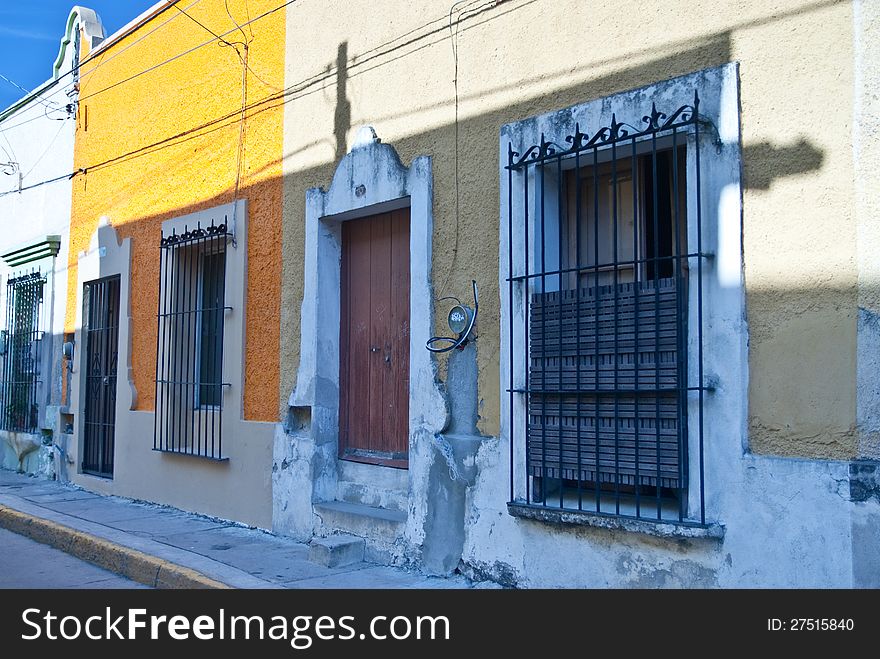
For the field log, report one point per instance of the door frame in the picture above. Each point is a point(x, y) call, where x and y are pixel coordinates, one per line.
point(369, 180)
point(85, 376)
point(106, 256)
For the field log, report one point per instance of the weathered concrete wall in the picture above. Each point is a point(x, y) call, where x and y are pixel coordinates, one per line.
point(369, 177)
point(797, 161)
point(866, 158)
point(788, 523)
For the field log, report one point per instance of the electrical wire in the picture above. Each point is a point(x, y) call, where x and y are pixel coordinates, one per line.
point(232, 18)
point(14, 159)
point(47, 96)
point(179, 55)
point(241, 142)
point(16, 85)
point(103, 60)
point(37, 185)
point(232, 44)
point(210, 31)
point(453, 40)
point(98, 55)
point(284, 95)
point(43, 155)
point(462, 338)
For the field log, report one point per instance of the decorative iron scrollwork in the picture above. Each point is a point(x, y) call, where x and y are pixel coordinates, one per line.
point(655, 122)
point(196, 233)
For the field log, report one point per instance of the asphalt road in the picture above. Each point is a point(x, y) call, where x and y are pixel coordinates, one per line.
point(25, 563)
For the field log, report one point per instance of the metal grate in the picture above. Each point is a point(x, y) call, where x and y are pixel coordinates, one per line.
point(610, 278)
point(21, 345)
point(101, 330)
point(189, 356)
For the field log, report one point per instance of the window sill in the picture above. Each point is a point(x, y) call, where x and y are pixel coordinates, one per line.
point(188, 454)
point(658, 528)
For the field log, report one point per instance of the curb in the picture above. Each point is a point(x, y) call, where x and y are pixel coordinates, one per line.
point(122, 560)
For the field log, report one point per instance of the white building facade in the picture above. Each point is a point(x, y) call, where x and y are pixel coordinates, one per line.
point(36, 160)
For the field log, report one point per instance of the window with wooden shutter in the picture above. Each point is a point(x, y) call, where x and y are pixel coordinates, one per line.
point(606, 246)
point(604, 364)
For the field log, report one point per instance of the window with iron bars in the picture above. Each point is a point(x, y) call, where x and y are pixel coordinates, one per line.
point(21, 346)
point(607, 231)
point(189, 363)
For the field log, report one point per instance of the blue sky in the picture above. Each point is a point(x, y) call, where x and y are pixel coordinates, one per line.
point(31, 31)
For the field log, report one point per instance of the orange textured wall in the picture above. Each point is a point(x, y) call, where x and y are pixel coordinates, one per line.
point(157, 139)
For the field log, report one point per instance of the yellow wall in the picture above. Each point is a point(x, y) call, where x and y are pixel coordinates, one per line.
point(164, 143)
point(390, 64)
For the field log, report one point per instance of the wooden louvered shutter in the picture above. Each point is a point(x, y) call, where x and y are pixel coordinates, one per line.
point(587, 418)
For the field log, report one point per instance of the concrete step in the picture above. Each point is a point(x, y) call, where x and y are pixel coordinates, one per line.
point(369, 495)
point(381, 528)
point(336, 550)
point(373, 485)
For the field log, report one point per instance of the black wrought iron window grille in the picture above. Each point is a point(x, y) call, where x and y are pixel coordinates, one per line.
point(189, 354)
point(21, 345)
point(608, 285)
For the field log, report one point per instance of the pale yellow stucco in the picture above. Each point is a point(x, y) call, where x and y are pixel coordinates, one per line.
point(390, 64)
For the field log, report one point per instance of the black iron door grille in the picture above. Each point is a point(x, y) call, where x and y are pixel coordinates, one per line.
point(21, 346)
point(101, 331)
point(610, 279)
point(189, 354)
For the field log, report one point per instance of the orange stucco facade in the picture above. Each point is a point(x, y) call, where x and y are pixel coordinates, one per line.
point(161, 133)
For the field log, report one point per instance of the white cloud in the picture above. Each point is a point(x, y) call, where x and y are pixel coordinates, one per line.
point(27, 34)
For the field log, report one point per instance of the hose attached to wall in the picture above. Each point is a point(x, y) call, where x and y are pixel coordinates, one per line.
point(462, 338)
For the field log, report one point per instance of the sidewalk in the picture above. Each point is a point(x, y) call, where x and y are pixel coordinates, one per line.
point(168, 548)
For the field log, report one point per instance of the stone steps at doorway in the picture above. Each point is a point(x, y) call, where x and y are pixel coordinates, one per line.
point(337, 550)
point(373, 485)
point(380, 528)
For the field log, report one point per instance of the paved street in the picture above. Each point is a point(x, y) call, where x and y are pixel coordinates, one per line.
point(228, 553)
point(30, 564)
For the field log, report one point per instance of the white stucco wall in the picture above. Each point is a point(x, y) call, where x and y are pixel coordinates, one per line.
point(36, 149)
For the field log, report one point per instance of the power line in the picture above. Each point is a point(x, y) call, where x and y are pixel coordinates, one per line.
point(453, 40)
point(233, 44)
point(285, 95)
point(37, 185)
point(186, 52)
point(209, 30)
point(97, 55)
point(15, 84)
point(26, 91)
point(118, 52)
point(4, 129)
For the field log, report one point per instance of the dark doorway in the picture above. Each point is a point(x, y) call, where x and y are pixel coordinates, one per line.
point(101, 332)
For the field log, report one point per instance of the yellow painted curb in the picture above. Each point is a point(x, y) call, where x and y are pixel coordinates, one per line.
point(130, 563)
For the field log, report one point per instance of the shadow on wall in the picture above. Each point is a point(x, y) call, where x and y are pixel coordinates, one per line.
point(765, 162)
point(342, 116)
point(476, 231)
point(467, 246)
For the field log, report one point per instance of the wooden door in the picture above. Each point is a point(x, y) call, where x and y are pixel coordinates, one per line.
point(374, 340)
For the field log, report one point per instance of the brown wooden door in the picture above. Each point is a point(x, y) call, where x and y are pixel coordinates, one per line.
point(374, 340)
